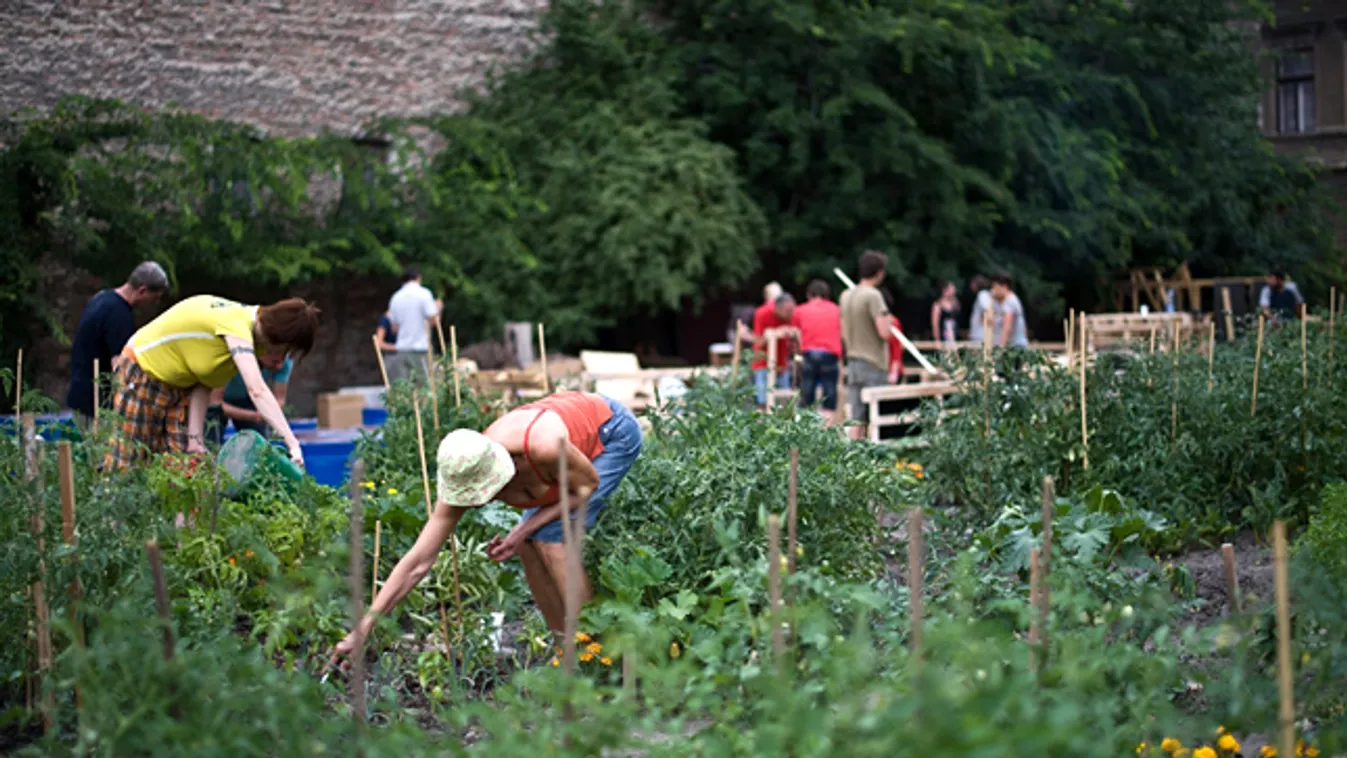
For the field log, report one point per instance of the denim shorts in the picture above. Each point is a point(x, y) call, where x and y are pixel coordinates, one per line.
point(621, 438)
point(819, 372)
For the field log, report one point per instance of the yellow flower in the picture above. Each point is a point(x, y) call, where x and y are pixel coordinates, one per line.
point(555, 661)
point(1141, 748)
point(595, 648)
point(392, 490)
point(606, 661)
point(581, 637)
point(1228, 743)
point(1183, 752)
point(1268, 751)
point(674, 651)
point(586, 657)
point(1170, 745)
point(1220, 730)
point(1204, 752)
point(367, 484)
point(1311, 752)
point(1300, 747)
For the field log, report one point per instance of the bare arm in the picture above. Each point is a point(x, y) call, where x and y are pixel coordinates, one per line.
point(409, 572)
point(196, 418)
point(1007, 324)
point(240, 414)
point(384, 344)
point(935, 321)
point(279, 391)
point(260, 394)
point(884, 326)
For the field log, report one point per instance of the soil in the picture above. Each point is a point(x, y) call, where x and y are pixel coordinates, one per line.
point(1253, 572)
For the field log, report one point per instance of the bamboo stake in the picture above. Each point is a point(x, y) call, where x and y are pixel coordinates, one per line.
point(97, 392)
point(1152, 348)
point(1229, 315)
point(160, 596)
point(430, 509)
point(1287, 712)
point(383, 369)
point(439, 331)
point(434, 393)
point(738, 348)
point(542, 353)
point(39, 588)
point(1211, 356)
point(1257, 362)
point(570, 586)
point(453, 362)
point(66, 466)
point(1045, 563)
point(792, 509)
point(914, 578)
point(1035, 586)
point(357, 595)
point(374, 573)
point(1231, 577)
point(774, 588)
point(1084, 426)
point(1174, 387)
point(1304, 354)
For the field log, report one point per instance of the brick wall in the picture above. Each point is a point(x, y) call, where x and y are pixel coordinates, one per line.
point(291, 67)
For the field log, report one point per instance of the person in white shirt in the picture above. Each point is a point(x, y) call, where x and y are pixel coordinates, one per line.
point(982, 303)
point(410, 310)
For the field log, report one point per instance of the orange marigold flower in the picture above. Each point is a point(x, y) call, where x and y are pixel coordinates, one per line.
point(595, 648)
point(606, 661)
point(581, 637)
point(586, 657)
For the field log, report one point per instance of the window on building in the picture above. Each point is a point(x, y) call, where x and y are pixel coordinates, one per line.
point(1295, 92)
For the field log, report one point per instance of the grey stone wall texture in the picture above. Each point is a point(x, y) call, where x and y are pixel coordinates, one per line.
point(291, 67)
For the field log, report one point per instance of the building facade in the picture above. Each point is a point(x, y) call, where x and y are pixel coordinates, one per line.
point(1304, 105)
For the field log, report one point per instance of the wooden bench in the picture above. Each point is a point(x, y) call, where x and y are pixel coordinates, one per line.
point(873, 396)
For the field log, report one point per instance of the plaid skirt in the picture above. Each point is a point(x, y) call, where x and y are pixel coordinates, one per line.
point(153, 417)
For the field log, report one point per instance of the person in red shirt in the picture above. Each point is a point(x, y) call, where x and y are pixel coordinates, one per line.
point(773, 315)
point(820, 323)
point(896, 370)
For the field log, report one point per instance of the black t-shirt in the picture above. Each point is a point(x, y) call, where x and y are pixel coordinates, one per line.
point(105, 326)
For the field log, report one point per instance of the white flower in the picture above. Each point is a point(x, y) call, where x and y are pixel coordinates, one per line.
point(1127, 611)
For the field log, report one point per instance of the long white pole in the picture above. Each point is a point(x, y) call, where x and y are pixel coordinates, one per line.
point(907, 344)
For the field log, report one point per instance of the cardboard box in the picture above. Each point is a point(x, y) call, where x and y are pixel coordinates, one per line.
point(338, 411)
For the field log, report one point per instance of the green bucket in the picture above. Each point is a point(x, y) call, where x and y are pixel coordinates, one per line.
point(249, 459)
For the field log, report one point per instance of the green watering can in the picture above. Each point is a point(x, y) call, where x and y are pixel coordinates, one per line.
point(250, 460)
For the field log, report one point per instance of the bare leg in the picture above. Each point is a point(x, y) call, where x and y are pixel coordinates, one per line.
point(553, 555)
point(546, 592)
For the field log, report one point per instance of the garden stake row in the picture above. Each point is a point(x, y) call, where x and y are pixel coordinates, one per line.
point(453, 543)
point(1288, 707)
point(453, 361)
point(542, 353)
point(1231, 577)
point(774, 589)
point(357, 597)
point(374, 570)
point(1257, 362)
point(914, 580)
point(379, 352)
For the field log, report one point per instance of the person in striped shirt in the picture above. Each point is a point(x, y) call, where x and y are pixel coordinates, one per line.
point(172, 364)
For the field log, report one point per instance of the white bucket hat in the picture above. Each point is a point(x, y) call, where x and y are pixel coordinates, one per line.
point(471, 468)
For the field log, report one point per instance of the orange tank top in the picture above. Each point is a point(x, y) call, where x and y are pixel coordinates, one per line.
point(583, 414)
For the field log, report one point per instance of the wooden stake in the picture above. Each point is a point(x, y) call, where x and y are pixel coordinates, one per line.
point(1304, 353)
point(1257, 362)
point(774, 588)
point(434, 393)
point(357, 594)
point(792, 499)
point(160, 596)
point(453, 362)
point(374, 572)
point(39, 588)
point(66, 467)
point(430, 509)
point(1174, 387)
point(1084, 426)
point(1035, 585)
point(570, 590)
point(383, 369)
point(1211, 356)
point(1287, 712)
point(738, 348)
point(439, 330)
point(1229, 315)
point(1152, 348)
point(542, 353)
point(1231, 577)
point(93, 429)
point(1045, 562)
point(986, 336)
point(914, 578)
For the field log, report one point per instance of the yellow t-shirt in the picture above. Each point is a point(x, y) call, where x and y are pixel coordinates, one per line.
point(185, 346)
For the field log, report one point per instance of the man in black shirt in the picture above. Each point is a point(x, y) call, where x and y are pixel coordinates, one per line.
point(105, 326)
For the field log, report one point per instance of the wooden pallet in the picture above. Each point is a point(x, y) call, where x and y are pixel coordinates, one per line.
point(873, 396)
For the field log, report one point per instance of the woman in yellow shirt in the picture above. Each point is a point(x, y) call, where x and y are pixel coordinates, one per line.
point(174, 362)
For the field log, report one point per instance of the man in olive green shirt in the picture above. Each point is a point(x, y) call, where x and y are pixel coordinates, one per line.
point(865, 335)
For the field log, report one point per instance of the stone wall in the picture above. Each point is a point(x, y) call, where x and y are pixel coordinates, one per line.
point(291, 67)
